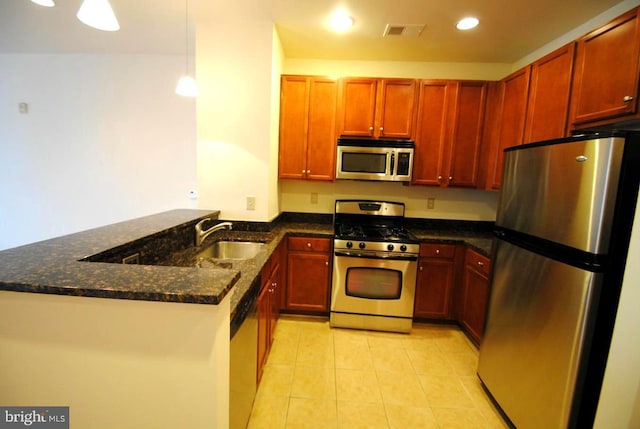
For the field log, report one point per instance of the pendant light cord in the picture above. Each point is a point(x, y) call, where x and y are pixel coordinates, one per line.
point(186, 35)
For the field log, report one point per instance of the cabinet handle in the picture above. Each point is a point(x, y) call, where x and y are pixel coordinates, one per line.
point(480, 264)
point(439, 178)
point(326, 263)
point(421, 267)
point(450, 178)
point(309, 245)
point(627, 98)
point(437, 251)
point(381, 128)
point(370, 128)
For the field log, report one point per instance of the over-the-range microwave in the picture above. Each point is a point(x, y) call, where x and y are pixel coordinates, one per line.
point(369, 159)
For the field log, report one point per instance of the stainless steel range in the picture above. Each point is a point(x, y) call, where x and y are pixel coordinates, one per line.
point(374, 267)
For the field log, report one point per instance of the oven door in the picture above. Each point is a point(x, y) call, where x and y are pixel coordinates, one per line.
point(373, 284)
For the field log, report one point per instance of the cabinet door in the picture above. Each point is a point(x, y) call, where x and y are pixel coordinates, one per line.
point(607, 68)
point(274, 300)
point(511, 114)
point(294, 114)
point(321, 136)
point(466, 136)
point(475, 291)
point(264, 341)
point(431, 136)
point(308, 282)
point(548, 104)
point(396, 108)
point(434, 288)
point(357, 110)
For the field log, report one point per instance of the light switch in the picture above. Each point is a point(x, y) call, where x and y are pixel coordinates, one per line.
point(24, 108)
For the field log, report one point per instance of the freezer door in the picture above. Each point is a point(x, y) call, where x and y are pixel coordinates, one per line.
point(538, 320)
point(563, 192)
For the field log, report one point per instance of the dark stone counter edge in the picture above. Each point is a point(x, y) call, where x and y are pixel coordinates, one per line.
point(473, 234)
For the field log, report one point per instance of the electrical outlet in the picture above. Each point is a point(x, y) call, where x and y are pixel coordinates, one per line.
point(251, 202)
point(314, 198)
point(431, 203)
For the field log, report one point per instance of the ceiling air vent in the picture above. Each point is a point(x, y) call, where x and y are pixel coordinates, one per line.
point(406, 30)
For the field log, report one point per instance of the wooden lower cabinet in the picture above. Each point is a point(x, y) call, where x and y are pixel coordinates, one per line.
point(264, 340)
point(308, 275)
point(474, 294)
point(435, 282)
point(269, 303)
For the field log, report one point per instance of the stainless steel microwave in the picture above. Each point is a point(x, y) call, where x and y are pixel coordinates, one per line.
point(368, 159)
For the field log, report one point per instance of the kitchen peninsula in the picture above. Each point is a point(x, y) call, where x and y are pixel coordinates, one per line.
point(156, 341)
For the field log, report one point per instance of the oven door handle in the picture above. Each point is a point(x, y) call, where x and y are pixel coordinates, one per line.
point(375, 256)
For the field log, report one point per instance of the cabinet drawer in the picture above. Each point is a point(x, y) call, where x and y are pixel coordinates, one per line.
point(307, 244)
point(437, 250)
point(479, 262)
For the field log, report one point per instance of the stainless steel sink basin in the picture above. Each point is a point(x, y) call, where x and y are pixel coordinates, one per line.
point(231, 250)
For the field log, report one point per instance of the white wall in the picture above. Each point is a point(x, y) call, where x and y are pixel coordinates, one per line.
point(117, 363)
point(577, 32)
point(105, 139)
point(619, 405)
point(401, 69)
point(235, 133)
point(464, 204)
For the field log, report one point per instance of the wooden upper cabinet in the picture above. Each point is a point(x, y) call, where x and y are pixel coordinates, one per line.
point(395, 112)
point(377, 107)
point(449, 132)
point(605, 85)
point(548, 104)
point(294, 117)
point(307, 128)
point(509, 105)
point(466, 138)
point(432, 132)
point(358, 107)
point(321, 134)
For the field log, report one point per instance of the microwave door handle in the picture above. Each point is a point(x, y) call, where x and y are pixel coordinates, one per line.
point(393, 161)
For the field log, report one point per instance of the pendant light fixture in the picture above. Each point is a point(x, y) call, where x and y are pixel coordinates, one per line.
point(187, 86)
point(98, 14)
point(46, 3)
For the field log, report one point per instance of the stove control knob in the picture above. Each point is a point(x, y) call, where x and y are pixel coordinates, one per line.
point(403, 248)
point(361, 245)
point(390, 247)
point(349, 245)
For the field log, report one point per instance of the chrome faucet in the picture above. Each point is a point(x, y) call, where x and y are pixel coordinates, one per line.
point(201, 235)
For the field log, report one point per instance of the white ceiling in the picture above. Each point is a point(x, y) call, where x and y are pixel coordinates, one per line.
point(509, 29)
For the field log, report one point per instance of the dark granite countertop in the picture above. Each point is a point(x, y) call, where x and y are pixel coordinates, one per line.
point(55, 267)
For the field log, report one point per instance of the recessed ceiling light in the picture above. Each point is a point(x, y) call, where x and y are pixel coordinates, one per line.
point(467, 23)
point(341, 21)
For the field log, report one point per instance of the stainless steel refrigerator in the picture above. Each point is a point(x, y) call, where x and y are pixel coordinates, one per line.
point(562, 232)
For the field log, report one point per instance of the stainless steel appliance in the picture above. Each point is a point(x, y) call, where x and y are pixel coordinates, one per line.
point(367, 159)
point(562, 233)
point(243, 358)
point(374, 267)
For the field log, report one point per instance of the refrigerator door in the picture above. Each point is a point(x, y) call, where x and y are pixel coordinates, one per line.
point(534, 335)
point(563, 192)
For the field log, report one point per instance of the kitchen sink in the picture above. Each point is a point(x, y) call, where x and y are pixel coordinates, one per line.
point(231, 250)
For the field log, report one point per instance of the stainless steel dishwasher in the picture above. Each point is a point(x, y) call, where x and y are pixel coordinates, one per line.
point(243, 359)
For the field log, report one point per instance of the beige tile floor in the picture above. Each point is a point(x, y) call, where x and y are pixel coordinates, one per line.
point(322, 377)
